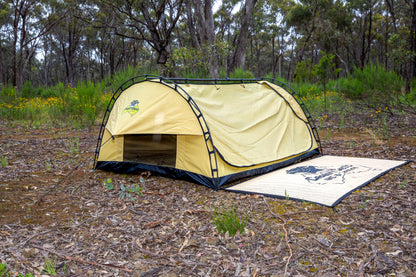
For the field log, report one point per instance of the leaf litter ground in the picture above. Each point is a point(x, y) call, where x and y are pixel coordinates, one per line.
point(90, 231)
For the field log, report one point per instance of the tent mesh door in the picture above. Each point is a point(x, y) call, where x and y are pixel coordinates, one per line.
point(155, 149)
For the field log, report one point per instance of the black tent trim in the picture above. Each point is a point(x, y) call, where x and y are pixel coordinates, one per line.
point(214, 183)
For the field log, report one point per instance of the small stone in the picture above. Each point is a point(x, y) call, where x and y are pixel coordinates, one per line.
point(212, 240)
point(193, 242)
point(29, 253)
point(169, 274)
point(204, 259)
point(47, 245)
point(231, 246)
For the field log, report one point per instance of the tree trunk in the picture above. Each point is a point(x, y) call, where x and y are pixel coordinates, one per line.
point(273, 60)
point(191, 25)
point(362, 55)
point(412, 64)
point(369, 35)
point(15, 38)
point(390, 6)
point(206, 32)
point(239, 54)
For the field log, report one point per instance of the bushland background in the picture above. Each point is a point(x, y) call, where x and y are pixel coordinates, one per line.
point(352, 62)
point(61, 59)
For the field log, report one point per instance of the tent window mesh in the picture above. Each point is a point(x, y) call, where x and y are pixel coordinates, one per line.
point(152, 149)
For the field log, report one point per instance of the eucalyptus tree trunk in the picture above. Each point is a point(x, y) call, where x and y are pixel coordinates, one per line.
point(412, 64)
point(239, 55)
point(204, 18)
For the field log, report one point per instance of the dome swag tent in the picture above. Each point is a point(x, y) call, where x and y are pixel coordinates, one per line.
point(208, 131)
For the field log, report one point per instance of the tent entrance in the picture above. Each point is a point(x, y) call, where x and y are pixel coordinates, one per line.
point(154, 149)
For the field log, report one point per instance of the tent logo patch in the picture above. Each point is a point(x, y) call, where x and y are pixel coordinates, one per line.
point(133, 108)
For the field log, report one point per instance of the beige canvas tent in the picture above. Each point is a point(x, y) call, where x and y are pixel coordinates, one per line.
point(208, 131)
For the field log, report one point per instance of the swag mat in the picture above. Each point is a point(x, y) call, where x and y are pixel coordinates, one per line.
point(324, 180)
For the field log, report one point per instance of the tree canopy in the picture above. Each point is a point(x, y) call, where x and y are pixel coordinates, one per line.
point(51, 41)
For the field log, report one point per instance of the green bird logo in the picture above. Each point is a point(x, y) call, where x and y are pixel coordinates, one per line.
point(133, 108)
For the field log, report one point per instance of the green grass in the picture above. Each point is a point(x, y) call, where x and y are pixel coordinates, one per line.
point(50, 266)
point(228, 220)
point(4, 162)
point(4, 270)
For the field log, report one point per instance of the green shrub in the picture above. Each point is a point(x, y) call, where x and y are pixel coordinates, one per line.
point(409, 98)
point(227, 220)
point(304, 71)
point(28, 91)
point(122, 76)
point(307, 90)
point(84, 103)
point(55, 91)
point(373, 85)
point(240, 73)
point(279, 78)
point(108, 183)
point(7, 94)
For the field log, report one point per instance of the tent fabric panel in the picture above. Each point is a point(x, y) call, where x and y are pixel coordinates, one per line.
point(251, 123)
point(192, 155)
point(315, 144)
point(297, 109)
point(150, 107)
point(111, 148)
point(260, 169)
point(226, 169)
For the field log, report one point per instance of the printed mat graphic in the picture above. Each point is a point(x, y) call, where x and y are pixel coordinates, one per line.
point(325, 180)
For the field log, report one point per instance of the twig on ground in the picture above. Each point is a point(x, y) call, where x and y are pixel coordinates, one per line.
point(286, 236)
point(80, 260)
point(136, 212)
point(33, 236)
point(198, 211)
point(302, 212)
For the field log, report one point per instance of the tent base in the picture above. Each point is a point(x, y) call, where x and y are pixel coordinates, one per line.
point(214, 183)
